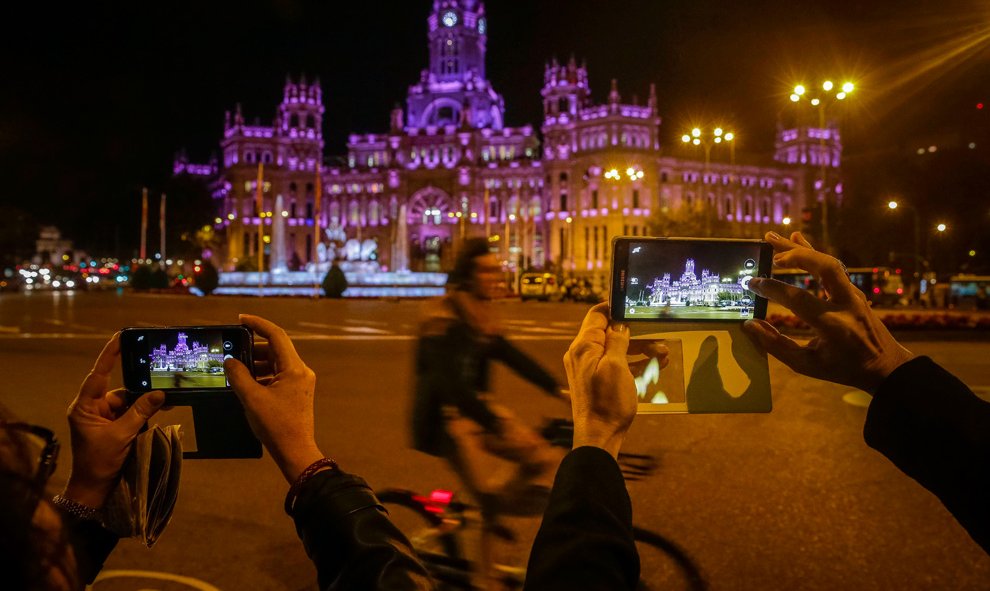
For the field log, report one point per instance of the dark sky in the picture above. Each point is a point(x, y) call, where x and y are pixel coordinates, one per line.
point(97, 97)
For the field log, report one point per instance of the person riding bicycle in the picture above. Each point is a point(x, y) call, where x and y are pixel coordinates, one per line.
point(451, 418)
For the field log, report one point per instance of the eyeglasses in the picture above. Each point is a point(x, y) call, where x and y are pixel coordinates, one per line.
point(44, 443)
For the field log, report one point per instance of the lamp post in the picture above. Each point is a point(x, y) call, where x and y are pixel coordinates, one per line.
point(698, 137)
point(893, 205)
point(828, 96)
point(632, 174)
point(718, 136)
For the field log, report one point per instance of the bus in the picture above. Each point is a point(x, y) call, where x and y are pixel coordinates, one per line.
point(883, 286)
point(970, 291)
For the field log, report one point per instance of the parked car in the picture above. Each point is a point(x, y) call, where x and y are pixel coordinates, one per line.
point(538, 286)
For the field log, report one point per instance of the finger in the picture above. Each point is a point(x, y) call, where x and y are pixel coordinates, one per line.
point(143, 409)
point(240, 379)
point(617, 343)
point(793, 355)
point(95, 384)
point(798, 238)
point(827, 268)
point(779, 243)
point(591, 336)
point(804, 304)
point(648, 348)
point(281, 350)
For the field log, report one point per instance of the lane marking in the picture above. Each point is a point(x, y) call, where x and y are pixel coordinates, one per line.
point(357, 329)
point(158, 576)
point(10, 329)
point(371, 322)
point(365, 330)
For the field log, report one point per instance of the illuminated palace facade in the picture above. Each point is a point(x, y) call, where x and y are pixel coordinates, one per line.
point(451, 165)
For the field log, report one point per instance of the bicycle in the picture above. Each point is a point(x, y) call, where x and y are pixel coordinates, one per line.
point(441, 547)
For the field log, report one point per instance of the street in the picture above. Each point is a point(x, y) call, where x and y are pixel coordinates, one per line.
point(793, 499)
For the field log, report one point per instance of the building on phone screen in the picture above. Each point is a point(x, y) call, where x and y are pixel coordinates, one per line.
point(450, 166)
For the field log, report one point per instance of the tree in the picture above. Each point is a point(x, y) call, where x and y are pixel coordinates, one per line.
point(335, 282)
point(206, 278)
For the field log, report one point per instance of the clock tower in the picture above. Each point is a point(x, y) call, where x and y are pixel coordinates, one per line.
point(455, 80)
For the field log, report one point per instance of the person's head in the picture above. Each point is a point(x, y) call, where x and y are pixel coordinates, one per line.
point(34, 548)
point(476, 269)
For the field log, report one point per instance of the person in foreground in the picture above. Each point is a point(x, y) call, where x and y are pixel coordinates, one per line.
point(922, 418)
point(61, 544)
point(586, 538)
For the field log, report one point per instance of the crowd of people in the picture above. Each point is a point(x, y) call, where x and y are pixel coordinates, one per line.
point(926, 421)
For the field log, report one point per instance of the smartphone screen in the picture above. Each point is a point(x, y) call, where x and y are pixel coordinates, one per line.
point(182, 358)
point(687, 279)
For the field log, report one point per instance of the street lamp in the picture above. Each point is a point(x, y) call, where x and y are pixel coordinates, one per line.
point(941, 227)
point(786, 221)
point(918, 261)
point(822, 100)
point(697, 137)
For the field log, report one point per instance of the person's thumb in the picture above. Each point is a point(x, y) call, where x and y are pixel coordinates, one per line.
point(617, 342)
point(143, 409)
point(240, 379)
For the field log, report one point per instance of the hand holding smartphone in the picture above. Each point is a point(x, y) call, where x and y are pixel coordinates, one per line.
point(687, 279)
point(185, 362)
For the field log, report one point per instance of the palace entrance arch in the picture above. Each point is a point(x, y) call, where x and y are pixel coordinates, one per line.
point(430, 235)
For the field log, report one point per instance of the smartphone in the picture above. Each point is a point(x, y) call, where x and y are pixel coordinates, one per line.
point(687, 279)
point(186, 362)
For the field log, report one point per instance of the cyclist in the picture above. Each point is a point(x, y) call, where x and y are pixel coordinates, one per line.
point(452, 418)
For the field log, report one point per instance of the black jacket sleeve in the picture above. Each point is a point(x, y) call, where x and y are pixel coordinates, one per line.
point(586, 539)
point(932, 427)
point(91, 544)
point(349, 537)
point(523, 365)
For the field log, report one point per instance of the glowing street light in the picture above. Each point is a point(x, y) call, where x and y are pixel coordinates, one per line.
point(892, 205)
point(941, 227)
point(829, 94)
point(786, 221)
point(718, 136)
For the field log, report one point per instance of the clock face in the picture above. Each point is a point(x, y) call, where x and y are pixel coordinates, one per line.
point(483, 26)
point(449, 19)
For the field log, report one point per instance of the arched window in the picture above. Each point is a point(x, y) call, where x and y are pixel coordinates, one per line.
point(266, 157)
point(354, 215)
point(374, 213)
point(294, 120)
point(335, 212)
point(311, 122)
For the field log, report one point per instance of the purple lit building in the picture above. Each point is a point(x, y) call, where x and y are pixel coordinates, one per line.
point(450, 164)
point(183, 357)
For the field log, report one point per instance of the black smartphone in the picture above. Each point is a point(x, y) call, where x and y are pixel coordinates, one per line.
point(687, 279)
point(186, 362)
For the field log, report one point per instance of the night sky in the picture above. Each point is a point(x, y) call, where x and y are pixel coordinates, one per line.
point(98, 96)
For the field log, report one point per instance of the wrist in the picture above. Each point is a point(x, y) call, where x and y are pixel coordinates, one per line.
point(88, 494)
point(606, 439)
point(294, 460)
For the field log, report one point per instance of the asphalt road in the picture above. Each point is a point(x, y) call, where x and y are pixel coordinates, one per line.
point(788, 500)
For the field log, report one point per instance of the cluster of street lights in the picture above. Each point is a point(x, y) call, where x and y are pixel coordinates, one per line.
point(830, 93)
point(697, 137)
point(632, 174)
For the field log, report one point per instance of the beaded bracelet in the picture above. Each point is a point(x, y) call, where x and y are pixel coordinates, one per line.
point(77, 510)
point(309, 472)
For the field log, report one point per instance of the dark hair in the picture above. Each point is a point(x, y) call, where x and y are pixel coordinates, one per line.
point(462, 276)
point(27, 553)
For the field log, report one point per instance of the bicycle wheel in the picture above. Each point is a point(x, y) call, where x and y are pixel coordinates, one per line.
point(433, 538)
point(650, 543)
